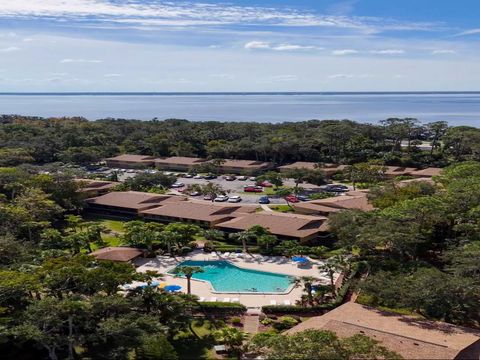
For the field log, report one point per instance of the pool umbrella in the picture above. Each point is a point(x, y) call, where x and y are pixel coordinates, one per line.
point(172, 288)
point(300, 259)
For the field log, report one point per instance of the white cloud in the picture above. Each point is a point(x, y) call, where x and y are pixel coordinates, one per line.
point(112, 75)
point(27, 40)
point(66, 61)
point(10, 49)
point(443, 51)
point(281, 78)
point(469, 32)
point(388, 52)
point(257, 45)
point(349, 76)
point(344, 52)
point(277, 47)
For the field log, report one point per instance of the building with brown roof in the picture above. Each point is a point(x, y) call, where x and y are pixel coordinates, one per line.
point(411, 337)
point(130, 161)
point(178, 163)
point(325, 207)
point(394, 171)
point(128, 203)
point(121, 254)
point(285, 226)
point(205, 214)
point(243, 166)
point(428, 172)
point(328, 169)
point(91, 188)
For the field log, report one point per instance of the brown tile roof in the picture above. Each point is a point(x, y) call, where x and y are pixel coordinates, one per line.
point(180, 160)
point(122, 254)
point(428, 172)
point(87, 185)
point(199, 211)
point(351, 200)
point(299, 165)
point(411, 337)
point(133, 200)
point(246, 164)
point(132, 158)
point(292, 225)
point(398, 170)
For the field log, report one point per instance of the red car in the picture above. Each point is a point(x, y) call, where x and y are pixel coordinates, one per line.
point(266, 184)
point(252, 189)
point(292, 199)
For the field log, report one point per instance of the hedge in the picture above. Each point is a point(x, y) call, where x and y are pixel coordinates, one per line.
point(294, 309)
point(223, 307)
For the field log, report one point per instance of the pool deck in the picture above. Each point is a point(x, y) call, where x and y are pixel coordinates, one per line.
point(274, 264)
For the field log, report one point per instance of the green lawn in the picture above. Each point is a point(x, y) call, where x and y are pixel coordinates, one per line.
point(188, 346)
point(282, 208)
point(114, 225)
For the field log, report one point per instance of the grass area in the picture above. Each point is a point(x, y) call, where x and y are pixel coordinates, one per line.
point(188, 346)
point(282, 208)
point(114, 225)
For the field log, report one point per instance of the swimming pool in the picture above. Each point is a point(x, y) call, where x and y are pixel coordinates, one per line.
point(226, 277)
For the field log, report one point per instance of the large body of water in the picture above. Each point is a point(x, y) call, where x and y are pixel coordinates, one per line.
point(456, 108)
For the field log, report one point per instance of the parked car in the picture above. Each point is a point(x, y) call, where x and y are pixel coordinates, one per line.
point(177, 174)
point(130, 171)
point(207, 197)
point(230, 178)
point(252, 178)
point(178, 185)
point(266, 184)
point(210, 177)
point(221, 198)
point(234, 199)
point(303, 198)
point(168, 173)
point(242, 178)
point(188, 176)
point(292, 199)
point(195, 193)
point(264, 200)
point(335, 188)
point(253, 189)
point(198, 177)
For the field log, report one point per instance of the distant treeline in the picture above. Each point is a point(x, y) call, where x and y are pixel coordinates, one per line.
point(393, 141)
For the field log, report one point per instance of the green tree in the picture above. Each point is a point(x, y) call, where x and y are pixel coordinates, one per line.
point(232, 338)
point(188, 272)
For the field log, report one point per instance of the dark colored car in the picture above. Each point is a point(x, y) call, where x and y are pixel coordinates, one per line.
point(210, 177)
point(303, 198)
point(264, 200)
point(230, 178)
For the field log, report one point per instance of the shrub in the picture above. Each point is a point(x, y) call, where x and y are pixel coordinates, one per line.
point(267, 321)
point(236, 320)
point(223, 308)
point(293, 309)
point(285, 322)
point(185, 250)
point(192, 244)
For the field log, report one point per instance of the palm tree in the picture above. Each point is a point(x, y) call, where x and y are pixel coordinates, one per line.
point(188, 272)
point(232, 338)
point(331, 266)
point(243, 237)
point(307, 282)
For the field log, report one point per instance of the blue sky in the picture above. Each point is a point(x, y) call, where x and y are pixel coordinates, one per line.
point(239, 45)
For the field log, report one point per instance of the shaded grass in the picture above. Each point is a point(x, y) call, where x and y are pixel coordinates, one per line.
point(188, 346)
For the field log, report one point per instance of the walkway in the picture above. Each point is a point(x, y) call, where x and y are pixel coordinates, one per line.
point(266, 207)
point(251, 323)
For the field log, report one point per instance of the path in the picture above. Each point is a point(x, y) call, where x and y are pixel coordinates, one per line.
point(251, 323)
point(266, 207)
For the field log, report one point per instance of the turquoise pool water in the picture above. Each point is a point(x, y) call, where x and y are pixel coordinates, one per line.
point(226, 277)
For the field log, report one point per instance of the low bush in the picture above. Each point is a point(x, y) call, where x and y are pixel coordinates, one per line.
point(285, 322)
point(223, 308)
point(294, 309)
point(236, 320)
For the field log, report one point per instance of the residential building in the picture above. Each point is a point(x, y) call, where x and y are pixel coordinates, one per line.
point(428, 172)
point(243, 166)
point(120, 254)
point(204, 214)
point(130, 161)
point(410, 337)
point(91, 188)
point(178, 163)
point(325, 207)
point(328, 169)
point(128, 203)
point(283, 225)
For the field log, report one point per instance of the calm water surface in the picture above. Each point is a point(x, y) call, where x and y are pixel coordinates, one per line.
point(456, 108)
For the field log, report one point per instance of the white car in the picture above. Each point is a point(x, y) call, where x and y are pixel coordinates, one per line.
point(130, 171)
point(221, 198)
point(178, 185)
point(252, 178)
point(234, 199)
point(198, 177)
point(242, 178)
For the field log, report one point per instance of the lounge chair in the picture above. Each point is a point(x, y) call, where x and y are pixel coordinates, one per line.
point(227, 254)
point(235, 300)
point(287, 302)
point(213, 299)
point(201, 299)
point(273, 302)
point(226, 300)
